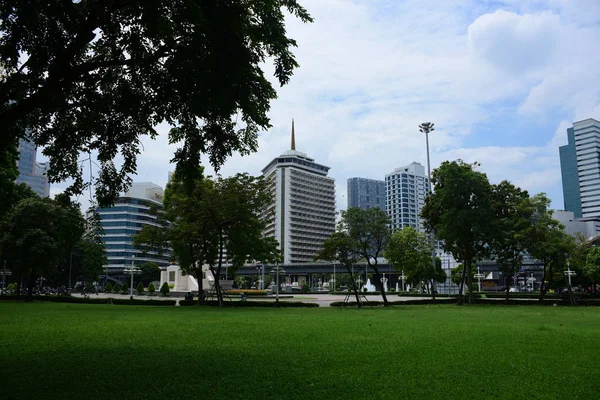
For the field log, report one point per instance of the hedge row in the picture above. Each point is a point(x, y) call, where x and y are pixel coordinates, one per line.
point(392, 303)
point(82, 300)
point(512, 302)
point(236, 304)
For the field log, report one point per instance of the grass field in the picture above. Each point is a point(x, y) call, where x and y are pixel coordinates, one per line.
point(69, 351)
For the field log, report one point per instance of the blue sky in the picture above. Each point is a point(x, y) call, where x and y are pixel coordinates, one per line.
point(502, 80)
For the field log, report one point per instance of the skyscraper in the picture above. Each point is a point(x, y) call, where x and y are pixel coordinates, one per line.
point(366, 193)
point(406, 189)
point(31, 172)
point(130, 213)
point(580, 169)
point(302, 214)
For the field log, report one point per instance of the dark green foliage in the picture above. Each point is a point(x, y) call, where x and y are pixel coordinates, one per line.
point(460, 212)
point(305, 288)
point(149, 272)
point(366, 235)
point(125, 288)
point(252, 304)
point(37, 234)
point(140, 288)
point(205, 219)
point(96, 76)
point(138, 302)
point(164, 289)
point(117, 288)
point(108, 288)
point(151, 288)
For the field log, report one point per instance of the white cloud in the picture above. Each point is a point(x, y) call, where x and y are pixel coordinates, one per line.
point(371, 71)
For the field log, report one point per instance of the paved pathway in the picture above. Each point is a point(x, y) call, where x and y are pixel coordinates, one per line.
point(324, 300)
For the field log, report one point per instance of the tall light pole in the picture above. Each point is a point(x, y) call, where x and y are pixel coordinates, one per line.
point(425, 128)
point(132, 270)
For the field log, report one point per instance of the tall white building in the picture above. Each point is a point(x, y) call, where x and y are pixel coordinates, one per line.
point(405, 190)
point(302, 214)
point(130, 213)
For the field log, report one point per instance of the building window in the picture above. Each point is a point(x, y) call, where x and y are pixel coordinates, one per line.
point(171, 276)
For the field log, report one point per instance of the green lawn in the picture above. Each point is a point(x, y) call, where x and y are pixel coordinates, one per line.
point(69, 351)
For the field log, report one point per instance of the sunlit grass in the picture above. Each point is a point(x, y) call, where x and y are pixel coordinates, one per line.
point(427, 352)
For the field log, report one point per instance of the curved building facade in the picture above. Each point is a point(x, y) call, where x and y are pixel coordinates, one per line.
point(130, 213)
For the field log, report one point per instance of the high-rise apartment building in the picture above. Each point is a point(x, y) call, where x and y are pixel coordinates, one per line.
point(406, 189)
point(302, 214)
point(366, 193)
point(580, 169)
point(31, 172)
point(130, 213)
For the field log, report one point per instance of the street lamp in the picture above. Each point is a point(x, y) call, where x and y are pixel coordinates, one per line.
point(479, 275)
point(425, 128)
point(276, 271)
point(132, 270)
point(568, 273)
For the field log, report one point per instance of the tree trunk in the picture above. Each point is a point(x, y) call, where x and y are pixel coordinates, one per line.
point(506, 298)
point(199, 278)
point(217, 274)
point(433, 291)
point(461, 299)
point(354, 287)
point(382, 289)
point(571, 297)
point(543, 288)
point(30, 284)
point(469, 282)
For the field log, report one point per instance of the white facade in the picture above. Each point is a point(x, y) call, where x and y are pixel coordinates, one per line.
point(587, 147)
point(130, 213)
point(587, 227)
point(302, 214)
point(406, 189)
point(188, 283)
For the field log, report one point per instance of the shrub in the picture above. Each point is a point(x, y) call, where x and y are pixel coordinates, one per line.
point(117, 288)
point(392, 290)
point(171, 285)
point(187, 303)
point(138, 302)
point(164, 289)
point(125, 288)
point(249, 292)
point(151, 288)
point(140, 288)
point(305, 288)
point(108, 288)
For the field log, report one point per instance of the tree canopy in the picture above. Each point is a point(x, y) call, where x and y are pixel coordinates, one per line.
point(460, 212)
point(95, 76)
point(410, 251)
point(341, 247)
point(38, 234)
point(369, 229)
point(212, 222)
point(513, 213)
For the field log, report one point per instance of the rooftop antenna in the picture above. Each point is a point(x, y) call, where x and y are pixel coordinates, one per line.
point(293, 136)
